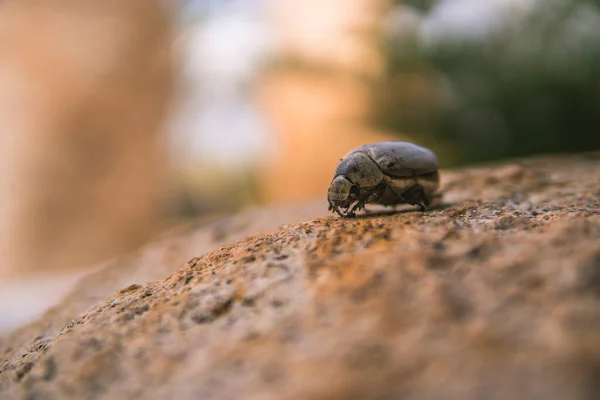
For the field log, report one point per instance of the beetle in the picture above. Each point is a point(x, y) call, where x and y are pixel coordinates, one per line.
point(386, 173)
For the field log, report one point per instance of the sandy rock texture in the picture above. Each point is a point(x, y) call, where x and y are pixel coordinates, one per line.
point(494, 294)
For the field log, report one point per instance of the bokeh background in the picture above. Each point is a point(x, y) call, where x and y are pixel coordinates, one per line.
point(119, 119)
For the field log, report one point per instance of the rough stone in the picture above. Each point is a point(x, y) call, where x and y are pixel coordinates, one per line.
point(492, 294)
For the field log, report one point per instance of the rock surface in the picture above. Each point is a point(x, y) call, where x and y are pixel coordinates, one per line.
point(494, 294)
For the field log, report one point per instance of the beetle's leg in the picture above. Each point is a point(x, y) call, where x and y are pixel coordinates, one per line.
point(346, 214)
point(337, 210)
point(416, 195)
point(372, 196)
point(387, 180)
point(356, 207)
point(349, 213)
point(343, 214)
point(334, 208)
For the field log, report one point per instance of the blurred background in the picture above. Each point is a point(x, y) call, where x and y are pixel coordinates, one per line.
point(121, 118)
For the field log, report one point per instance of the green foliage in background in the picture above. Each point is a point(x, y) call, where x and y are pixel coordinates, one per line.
point(533, 86)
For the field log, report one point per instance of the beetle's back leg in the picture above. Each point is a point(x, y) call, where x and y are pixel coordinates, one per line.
point(416, 195)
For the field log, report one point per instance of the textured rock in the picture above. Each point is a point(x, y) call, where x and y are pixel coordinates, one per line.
point(495, 294)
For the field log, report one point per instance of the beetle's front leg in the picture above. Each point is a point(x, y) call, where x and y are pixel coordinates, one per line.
point(357, 207)
point(350, 213)
point(335, 209)
point(370, 197)
point(377, 193)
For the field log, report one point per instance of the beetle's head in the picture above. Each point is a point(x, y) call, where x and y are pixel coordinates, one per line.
point(342, 192)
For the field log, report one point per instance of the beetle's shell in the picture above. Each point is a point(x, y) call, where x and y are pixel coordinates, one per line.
point(360, 169)
point(400, 159)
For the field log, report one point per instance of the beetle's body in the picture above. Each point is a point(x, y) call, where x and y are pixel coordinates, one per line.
point(386, 173)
